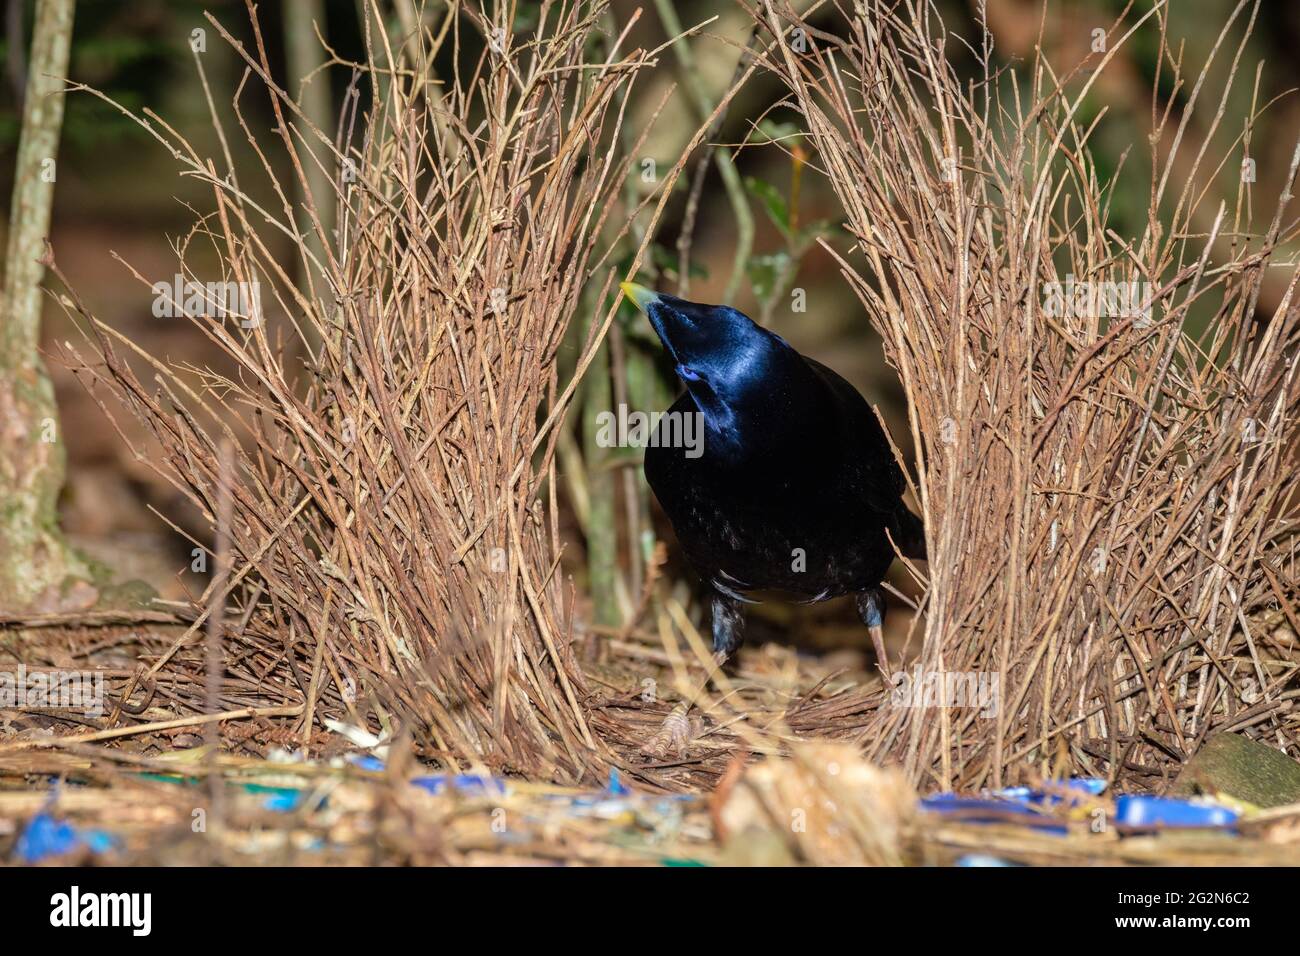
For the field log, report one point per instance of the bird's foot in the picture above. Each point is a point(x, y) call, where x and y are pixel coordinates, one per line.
point(673, 736)
point(728, 628)
point(871, 608)
point(882, 657)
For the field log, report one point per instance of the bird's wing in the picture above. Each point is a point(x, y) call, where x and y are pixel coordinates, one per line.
point(730, 591)
point(864, 429)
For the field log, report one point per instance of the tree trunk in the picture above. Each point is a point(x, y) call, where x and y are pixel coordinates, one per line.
point(37, 569)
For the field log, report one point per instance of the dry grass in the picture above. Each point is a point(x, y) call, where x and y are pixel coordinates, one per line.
point(1102, 537)
point(282, 814)
point(1109, 501)
point(393, 522)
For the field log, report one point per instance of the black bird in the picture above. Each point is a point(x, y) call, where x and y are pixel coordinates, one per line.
point(795, 489)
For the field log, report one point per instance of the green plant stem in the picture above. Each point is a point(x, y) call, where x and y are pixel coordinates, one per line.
point(703, 107)
point(602, 537)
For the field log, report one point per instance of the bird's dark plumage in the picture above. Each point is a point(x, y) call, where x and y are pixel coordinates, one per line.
point(796, 488)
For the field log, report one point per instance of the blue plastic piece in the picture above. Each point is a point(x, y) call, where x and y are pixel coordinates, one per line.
point(982, 860)
point(984, 810)
point(278, 799)
point(471, 784)
point(98, 840)
point(1141, 810)
point(616, 786)
point(47, 836)
point(1092, 786)
point(285, 802)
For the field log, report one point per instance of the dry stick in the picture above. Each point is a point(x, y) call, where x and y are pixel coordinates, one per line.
point(209, 593)
point(943, 325)
point(212, 593)
point(240, 713)
point(758, 740)
point(562, 403)
point(922, 273)
point(215, 661)
point(90, 618)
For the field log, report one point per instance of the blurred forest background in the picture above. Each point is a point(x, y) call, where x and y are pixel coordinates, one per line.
point(118, 194)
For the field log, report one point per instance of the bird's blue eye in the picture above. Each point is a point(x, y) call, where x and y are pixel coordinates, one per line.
point(688, 374)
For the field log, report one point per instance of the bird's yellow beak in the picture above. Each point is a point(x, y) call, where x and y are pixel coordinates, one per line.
point(641, 296)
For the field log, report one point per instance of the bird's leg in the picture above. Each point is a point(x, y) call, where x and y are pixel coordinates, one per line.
point(674, 735)
point(871, 608)
point(728, 628)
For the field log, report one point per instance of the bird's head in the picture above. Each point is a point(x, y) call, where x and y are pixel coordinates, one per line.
point(720, 353)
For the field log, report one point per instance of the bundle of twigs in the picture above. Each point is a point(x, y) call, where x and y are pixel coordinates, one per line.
point(1109, 492)
point(380, 478)
point(1107, 483)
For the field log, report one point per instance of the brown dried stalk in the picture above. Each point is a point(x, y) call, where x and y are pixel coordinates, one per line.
point(393, 492)
point(1109, 501)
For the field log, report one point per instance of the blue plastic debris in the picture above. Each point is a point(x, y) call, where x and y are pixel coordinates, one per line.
point(982, 860)
point(470, 784)
point(278, 799)
point(1051, 793)
point(1025, 805)
point(1141, 810)
point(986, 810)
point(281, 802)
point(616, 786)
point(46, 836)
point(99, 841)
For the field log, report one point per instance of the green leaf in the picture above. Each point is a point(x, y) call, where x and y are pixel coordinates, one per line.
point(772, 201)
point(810, 233)
point(772, 131)
point(766, 273)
